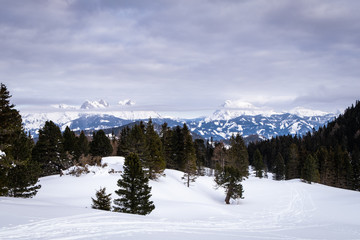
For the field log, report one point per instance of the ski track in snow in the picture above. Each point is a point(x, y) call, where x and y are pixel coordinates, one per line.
point(270, 210)
point(286, 214)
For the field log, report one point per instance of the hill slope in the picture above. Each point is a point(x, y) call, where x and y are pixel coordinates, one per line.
point(270, 210)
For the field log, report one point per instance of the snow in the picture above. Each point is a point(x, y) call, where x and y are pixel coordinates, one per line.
point(95, 104)
point(305, 112)
point(271, 210)
point(126, 102)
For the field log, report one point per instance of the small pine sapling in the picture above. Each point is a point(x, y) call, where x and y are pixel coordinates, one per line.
point(102, 201)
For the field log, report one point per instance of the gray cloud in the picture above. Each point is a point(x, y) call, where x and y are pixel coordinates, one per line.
point(182, 55)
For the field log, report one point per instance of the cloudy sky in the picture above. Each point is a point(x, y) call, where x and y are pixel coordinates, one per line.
point(181, 56)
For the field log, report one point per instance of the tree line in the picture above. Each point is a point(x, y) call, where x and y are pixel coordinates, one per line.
point(330, 155)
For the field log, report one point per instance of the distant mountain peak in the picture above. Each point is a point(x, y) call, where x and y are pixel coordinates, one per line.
point(238, 104)
point(65, 106)
point(95, 104)
point(305, 112)
point(127, 102)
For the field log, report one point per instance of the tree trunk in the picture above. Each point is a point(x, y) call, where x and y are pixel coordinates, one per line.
point(228, 195)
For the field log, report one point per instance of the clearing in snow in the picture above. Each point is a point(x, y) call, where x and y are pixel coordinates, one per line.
point(271, 210)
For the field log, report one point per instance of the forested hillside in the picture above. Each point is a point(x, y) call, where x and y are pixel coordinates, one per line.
point(329, 155)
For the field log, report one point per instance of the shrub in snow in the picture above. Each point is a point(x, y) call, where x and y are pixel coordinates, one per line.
point(102, 201)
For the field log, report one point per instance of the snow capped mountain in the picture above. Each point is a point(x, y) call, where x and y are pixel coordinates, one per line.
point(126, 102)
point(305, 112)
point(84, 120)
point(265, 126)
point(237, 104)
point(101, 104)
point(65, 106)
point(234, 117)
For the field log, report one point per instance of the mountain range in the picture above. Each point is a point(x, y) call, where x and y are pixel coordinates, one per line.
point(230, 119)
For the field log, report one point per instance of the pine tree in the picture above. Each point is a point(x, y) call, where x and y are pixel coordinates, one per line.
point(230, 178)
point(189, 157)
point(177, 147)
point(18, 172)
point(309, 172)
point(124, 142)
point(154, 160)
point(69, 141)
point(258, 164)
point(279, 167)
point(100, 145)
point(134, 191)
point(292, 163)
point(200, 152)
point(166, 136)
point(238, 155)
point(83, 144)
point(49, 151)
point(102, 201)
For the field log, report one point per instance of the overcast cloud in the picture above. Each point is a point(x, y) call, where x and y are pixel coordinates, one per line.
point(182, 55)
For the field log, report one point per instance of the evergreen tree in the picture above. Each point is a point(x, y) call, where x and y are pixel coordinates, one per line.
point(102, 201)
point(134, 191)
point(230, 178)
point(309, 171)
point(258, 164)
point(279, 167)
point(238, 155)
point(49, 151)
point(137, 141)
point(81, 146)
point(356, 169)
point(166, 136)
point(200, 152)
point(124, 142)
point(189, 157)
point(69, 141)
point(154, 160)
point(292, 163)
point(177, 147)
point(18, 172)
point(100, 145)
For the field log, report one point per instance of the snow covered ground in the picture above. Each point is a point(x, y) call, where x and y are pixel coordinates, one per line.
point(270, 210)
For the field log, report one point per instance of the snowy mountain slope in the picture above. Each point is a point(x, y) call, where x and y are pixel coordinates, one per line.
point(95, 104)
point(221, 125)
point(84, 119)
point(270, 210)
point(266, 126)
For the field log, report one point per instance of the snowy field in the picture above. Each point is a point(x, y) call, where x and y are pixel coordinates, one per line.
point(270, 210)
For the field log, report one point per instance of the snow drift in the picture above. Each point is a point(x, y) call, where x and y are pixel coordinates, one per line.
point(270, 210)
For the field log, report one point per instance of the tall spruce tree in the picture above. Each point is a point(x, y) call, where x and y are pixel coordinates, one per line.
point(49, 150)
point(134, 191)
point(18, 172)
point(100, 144)
point(81, 146)
point(102, 200)
point(230, 178)
point(200, 152)
point(69, 141)
point(310, 171)
point(258, 164)
point(154, 160)
point(279, 167)
point(166, 137)
point(238, 155)
point(189, 157)
point(291, 170)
